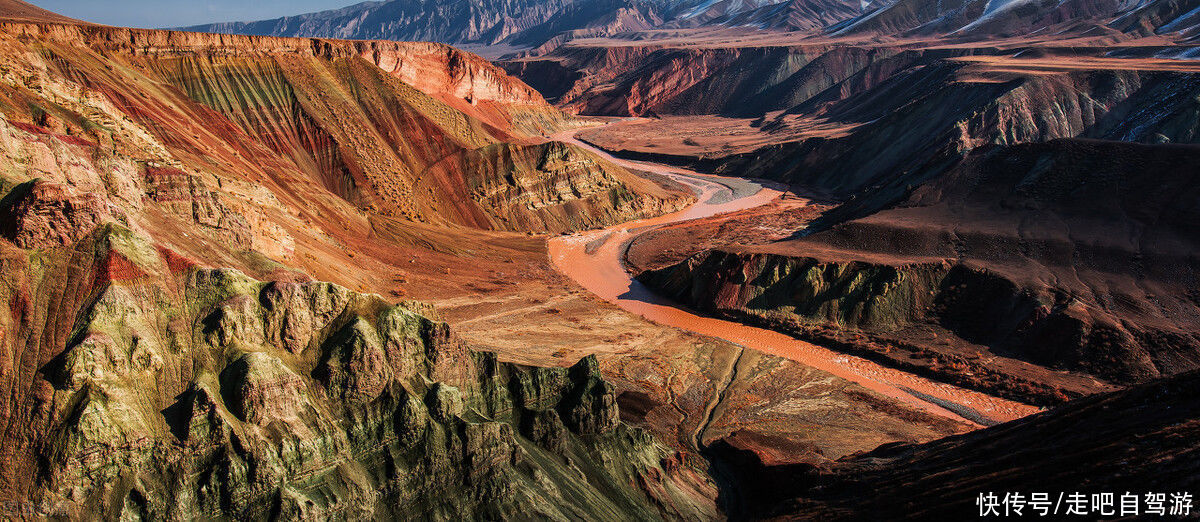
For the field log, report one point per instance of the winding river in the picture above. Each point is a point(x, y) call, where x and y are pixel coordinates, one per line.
point(594, 260)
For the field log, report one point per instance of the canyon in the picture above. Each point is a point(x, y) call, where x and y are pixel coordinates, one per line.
point(633, 260)
point(1009, 214)
point(982, 219)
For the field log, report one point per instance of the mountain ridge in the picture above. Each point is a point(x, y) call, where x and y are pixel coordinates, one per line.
point(531, 24)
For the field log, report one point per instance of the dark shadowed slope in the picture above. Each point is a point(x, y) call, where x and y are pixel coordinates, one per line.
point(1139, 440)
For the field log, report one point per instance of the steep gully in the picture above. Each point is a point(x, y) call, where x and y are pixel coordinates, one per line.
point(594, 259)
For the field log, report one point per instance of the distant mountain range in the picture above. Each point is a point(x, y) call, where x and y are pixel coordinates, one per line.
point(533, 22)
point(460, 21)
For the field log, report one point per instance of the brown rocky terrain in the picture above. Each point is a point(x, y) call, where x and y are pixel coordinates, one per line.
point(983, 212)
point(166, 355)
point(172, 202)
point(190, 392)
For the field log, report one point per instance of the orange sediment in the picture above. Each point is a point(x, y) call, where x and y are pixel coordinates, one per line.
point(600, 270)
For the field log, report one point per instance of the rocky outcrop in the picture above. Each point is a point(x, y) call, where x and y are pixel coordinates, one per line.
point(40, 214)
point(204, 393)
point(436, 69)
point(555, 186)
point(187, 196)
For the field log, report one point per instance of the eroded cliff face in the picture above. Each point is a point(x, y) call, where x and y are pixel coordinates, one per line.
point(636, 80)
point(554, 186)
point(870, 307)
point(139, 384)
point(145, 374)
point(368, 122)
